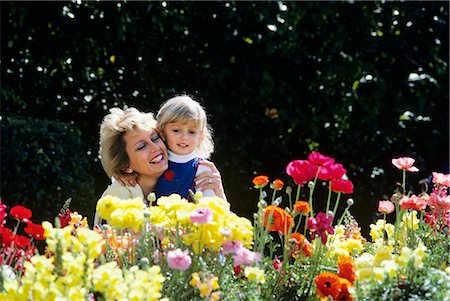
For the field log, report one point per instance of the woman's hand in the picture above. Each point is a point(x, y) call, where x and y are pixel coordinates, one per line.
point(210, 180)
point(127, 180)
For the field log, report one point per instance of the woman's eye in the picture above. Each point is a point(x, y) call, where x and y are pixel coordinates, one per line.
point(140, 147)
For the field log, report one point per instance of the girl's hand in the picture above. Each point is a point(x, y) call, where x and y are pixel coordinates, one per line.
point(210, 180)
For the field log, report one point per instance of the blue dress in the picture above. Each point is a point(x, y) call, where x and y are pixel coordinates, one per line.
point(179, 176)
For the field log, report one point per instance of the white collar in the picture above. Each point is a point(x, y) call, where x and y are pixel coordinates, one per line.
point(180, 158)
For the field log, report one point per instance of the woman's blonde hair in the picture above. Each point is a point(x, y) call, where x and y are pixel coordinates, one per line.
point(183, 109)
point(115, 125)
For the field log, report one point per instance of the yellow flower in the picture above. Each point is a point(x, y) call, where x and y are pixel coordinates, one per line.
point(390, 267)
point(364, 266)
point(254, 274)
point(106, 205)
point(382, 253)
point(195, 280)
point(418, 255)
point(215, 296)
point(407, 219)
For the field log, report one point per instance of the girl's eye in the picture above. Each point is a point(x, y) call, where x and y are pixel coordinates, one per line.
point(175, 130)
point(192, 132)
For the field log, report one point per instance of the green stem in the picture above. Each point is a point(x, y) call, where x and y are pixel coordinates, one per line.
point(329, 198)
point(338, 198)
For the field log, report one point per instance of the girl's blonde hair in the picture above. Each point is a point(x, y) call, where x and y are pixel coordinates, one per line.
point(115, 125)
point(183, 109)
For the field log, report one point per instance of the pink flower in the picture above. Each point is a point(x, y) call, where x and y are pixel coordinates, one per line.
point(179, 260)
point(201, 216)
point(3, 213)
point(319, 159)
point(341, 185)
point(386, 207)
point(405, 163)
point(331, 171)
point(301, 171)
point(244, 256)
point(441, 179)
point(231, 246)
point(440, 202)
point(413, 202)
point(321, 226)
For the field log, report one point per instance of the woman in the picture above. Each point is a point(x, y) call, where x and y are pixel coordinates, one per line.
point(130, 145)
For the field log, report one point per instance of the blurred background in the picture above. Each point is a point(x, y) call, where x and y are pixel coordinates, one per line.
point(362, 82)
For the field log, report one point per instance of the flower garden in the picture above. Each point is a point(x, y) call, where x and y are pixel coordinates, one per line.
point(172, 249)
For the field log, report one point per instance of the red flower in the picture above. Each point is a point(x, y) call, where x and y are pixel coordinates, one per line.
point(341, 185)
point(260, 181)
point(237, 270)
point(64, 217)
point(21, 241)
point(413, 202)
point(35, 230)
point(281, 221)
point(20, 212)
point(301, 171)
point(277, 264)
point(6, 237)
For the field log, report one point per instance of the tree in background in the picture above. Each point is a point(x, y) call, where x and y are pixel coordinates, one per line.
point(359, 81)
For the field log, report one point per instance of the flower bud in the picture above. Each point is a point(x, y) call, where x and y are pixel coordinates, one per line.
point(330, 213)
point(147, 214)
point(151, 198)
point(144, 263)
point(277, 201)
point(197, 196)
point(310, 184)
point(262, 204)
point(263, 195)
point(288, 189)
point(350, 202)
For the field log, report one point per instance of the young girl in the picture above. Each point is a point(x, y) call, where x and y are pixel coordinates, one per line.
point(183, 125)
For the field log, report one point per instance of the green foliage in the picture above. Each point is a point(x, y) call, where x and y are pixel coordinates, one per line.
point(338, 77)
point(42, 166)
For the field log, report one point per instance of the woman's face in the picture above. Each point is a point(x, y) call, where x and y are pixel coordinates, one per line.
point(147, 152)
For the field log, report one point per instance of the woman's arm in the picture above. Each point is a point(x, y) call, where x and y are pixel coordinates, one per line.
point(210, 180)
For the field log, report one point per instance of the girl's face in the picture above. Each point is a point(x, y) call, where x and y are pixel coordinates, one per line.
point(147, 152)
point(182, 137)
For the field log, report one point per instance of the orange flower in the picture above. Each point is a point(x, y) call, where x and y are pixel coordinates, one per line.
point(344, 294)
point(281, 221)
point(347, 268)
point(328, 284)
point(277, 184)
point(302, 207)
point(260, 181)
point(301, 242)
